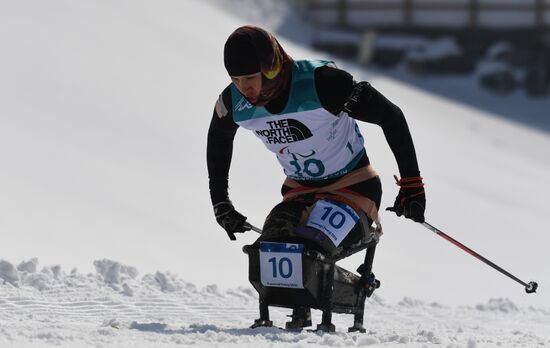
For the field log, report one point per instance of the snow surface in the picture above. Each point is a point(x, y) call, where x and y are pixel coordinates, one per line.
point(114, 307)
point(104, 109)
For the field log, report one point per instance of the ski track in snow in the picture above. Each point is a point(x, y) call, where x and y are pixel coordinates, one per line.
point(114, 307)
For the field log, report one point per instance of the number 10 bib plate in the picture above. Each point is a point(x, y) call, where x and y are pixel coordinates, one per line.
point(281, 265)
point(334, 219)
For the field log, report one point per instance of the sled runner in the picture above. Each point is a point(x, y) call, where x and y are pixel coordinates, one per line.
point(293, 262)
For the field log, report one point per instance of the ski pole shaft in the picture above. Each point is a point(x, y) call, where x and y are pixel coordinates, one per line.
point(253, 228)
point(529, 287)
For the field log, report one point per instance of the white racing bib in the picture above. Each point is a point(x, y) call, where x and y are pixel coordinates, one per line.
point(281, 265)
point(334, 219)
point(309, 141)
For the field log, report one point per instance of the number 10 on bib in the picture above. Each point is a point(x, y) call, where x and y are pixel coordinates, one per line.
point(281, 265)
point(334, 219)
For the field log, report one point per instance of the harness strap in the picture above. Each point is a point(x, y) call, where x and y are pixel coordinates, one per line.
point(338, 188)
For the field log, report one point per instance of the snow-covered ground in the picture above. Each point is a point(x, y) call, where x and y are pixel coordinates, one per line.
point(104, 109)
point(115, 307)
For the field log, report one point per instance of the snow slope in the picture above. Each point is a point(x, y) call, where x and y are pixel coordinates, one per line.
point(104, 109)
point(114, 307)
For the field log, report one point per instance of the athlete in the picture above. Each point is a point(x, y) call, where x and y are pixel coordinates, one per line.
point(305, 112)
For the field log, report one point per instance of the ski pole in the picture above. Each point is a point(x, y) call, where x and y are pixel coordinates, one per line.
point(530, 287)
point(249, 226)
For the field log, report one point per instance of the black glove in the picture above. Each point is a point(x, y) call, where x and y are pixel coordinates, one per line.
point(231, 220)
point(411, 200)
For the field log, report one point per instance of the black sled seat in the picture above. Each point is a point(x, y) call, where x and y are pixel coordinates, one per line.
point(298, 270)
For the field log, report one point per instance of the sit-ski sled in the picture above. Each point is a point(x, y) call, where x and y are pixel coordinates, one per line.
point(297, 269)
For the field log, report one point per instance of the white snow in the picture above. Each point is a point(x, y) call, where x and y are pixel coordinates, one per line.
point(86, 310)
point(104, 109)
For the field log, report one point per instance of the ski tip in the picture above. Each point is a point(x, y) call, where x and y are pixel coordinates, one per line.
point(531, 287)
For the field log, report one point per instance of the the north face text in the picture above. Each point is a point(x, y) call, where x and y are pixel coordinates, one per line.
point(284, 132)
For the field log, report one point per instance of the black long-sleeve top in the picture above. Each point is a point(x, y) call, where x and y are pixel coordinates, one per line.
point(333, 86)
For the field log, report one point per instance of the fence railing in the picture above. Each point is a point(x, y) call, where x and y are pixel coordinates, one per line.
point(409, 13)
